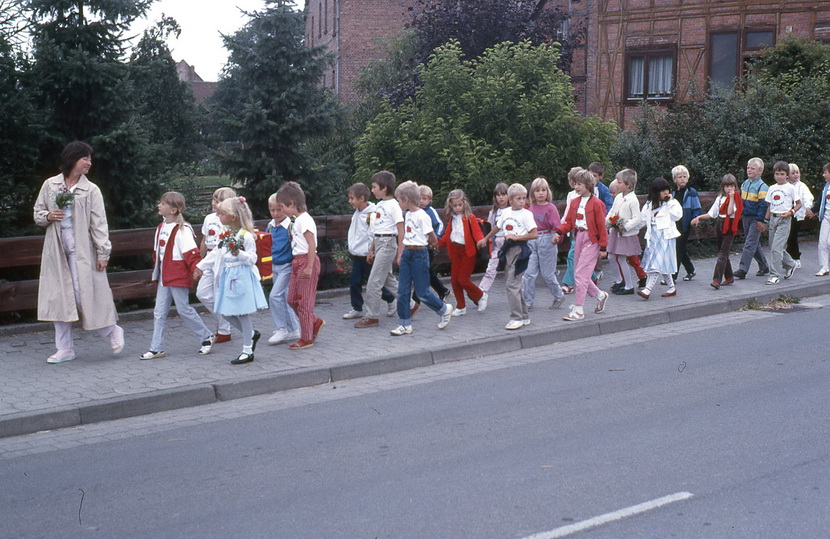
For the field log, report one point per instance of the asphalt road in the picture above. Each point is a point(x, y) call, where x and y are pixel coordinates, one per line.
point(727, 417)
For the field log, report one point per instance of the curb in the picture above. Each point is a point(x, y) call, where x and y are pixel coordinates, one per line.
point(197, 395)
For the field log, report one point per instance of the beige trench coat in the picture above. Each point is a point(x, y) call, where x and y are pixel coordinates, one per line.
point(56, 299)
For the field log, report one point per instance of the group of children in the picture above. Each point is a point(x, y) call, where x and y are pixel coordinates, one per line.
point(525, 232)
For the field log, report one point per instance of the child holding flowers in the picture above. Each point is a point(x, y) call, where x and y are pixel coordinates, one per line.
point(239, 293)
point(623, 222)
point(206, 289)
point(174, 260)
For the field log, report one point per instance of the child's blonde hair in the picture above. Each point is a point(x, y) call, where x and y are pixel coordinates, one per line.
point(515, 190)
point(457, 194)
point(572, 174)
point(794, 168)
point(223, 193)
point(237, 208)
point(408, 191)
point(628, 176)
point(176, 201)
point(585, 178)
point(292, 192)
point(539, 184)
point(425, 190)
point(272, 199)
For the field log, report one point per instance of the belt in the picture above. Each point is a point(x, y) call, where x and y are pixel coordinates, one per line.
point(545, 232)
point(779, 213)
point(581, 229)
point(385, 235)
point(414, 247)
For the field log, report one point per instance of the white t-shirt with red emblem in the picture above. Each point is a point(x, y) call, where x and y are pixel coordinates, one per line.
point(516, 222)
point(385, 218)
point(416, 228)
point(211, 229)
point(164, 239)
point(781, 197)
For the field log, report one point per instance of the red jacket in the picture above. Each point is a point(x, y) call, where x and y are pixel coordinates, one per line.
point(594, 215)
point(472, 234)
point(180, 257)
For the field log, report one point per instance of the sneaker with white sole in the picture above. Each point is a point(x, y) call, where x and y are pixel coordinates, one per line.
point(351, 315)
point(789, 271)
point(773, 280)
point(280, 335)
point(514, 324)
point(574, 315)
point(459, 312)
point(822, 272)
point(60, 356)
point(482, 303)
point(526, 322)
point(207, 346)
point(117, 340)
point(797, 264)
point(152, 354)
point(446, 317)
point(392, 308)
point(401, 330)
point(602, 297)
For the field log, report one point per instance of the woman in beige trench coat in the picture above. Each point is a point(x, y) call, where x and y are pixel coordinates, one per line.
point(73, 280)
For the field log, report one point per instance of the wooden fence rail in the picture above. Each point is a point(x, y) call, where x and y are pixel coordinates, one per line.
point(126, 285)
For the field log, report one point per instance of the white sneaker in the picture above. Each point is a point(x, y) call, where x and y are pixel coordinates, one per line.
point(401, 330)
point(207, 345)
point(293, 336)
point(602, 297)
point(459, 312)
point(822, 272)
point(574, 315)
point(392, 308)
point(117, 340)
point(280, 335)
point(60, 356)
point(353, 314)
point(482, 303)
point(789, 271)
point(446, 317)
point(526, 322)
point(514, 324)
point(797, 264)
point(151, 354)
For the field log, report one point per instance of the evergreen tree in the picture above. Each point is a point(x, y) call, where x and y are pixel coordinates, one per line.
point(269, 103)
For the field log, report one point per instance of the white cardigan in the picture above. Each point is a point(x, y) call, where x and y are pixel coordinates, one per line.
point(667, 214)
point(627, 207)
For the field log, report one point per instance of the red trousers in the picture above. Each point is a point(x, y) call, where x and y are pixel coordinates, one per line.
point(301, 294)
point(460, 272)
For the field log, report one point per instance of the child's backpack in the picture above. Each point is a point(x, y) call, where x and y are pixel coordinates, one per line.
point(263, 253)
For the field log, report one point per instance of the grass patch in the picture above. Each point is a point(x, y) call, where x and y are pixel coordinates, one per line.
point(781, 303)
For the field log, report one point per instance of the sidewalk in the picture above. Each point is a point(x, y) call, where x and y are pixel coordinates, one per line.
point(36, 396)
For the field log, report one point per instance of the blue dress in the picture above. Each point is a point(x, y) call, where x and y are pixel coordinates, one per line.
point(239, 291)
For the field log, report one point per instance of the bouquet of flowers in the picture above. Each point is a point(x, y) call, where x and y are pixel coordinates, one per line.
point(617, 222)
point(231, 241)
point(64, 198)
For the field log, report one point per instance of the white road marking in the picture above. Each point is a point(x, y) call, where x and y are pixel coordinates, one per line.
point(610, 517)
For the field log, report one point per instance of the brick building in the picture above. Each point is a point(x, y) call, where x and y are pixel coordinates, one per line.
point(354, 31)
point(660, 50)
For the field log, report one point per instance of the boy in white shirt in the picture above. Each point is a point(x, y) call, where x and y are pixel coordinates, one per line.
point(386, 230)
point(784, 201)
point(519, 226)
point(359, 241)
point(413, 261)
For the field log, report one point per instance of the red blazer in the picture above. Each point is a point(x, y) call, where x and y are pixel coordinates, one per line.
point(472, 234)
point(594, 215)
point(175, 272)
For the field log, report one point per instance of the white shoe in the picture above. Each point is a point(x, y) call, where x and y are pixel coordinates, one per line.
point(526, 322)
point(602, 297)
point(60, 356)
point(392, 308)
point(789, 271)
point(152, 355)
point(514, 324)
point(292, 336)
point(401, 330)
point(822, 272)
point(482, 303)
point(280, 335)
point(446, 317)
point(117, 340)
point(574, 315)
point(459, 312)
point(797, 264)
point(353, 314)
point(207, 346)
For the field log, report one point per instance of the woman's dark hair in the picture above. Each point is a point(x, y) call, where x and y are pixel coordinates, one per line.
point(72, 153)
point(658, 185)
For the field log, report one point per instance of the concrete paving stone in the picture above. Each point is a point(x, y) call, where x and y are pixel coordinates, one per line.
point(616, 324)
point(27, 422)
point(573, 330)
point(384, 365)
point(471, 349)
point(238, 389)
point(147, 403)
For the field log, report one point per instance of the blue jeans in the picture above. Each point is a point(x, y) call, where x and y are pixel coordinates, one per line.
point(414, 270)
point(283, 315)
point(360, 272)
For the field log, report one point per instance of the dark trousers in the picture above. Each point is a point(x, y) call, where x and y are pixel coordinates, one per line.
point(360, 272)
point(682, 254)
point(723, 267)
point(792, 240)
point(434, 281)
